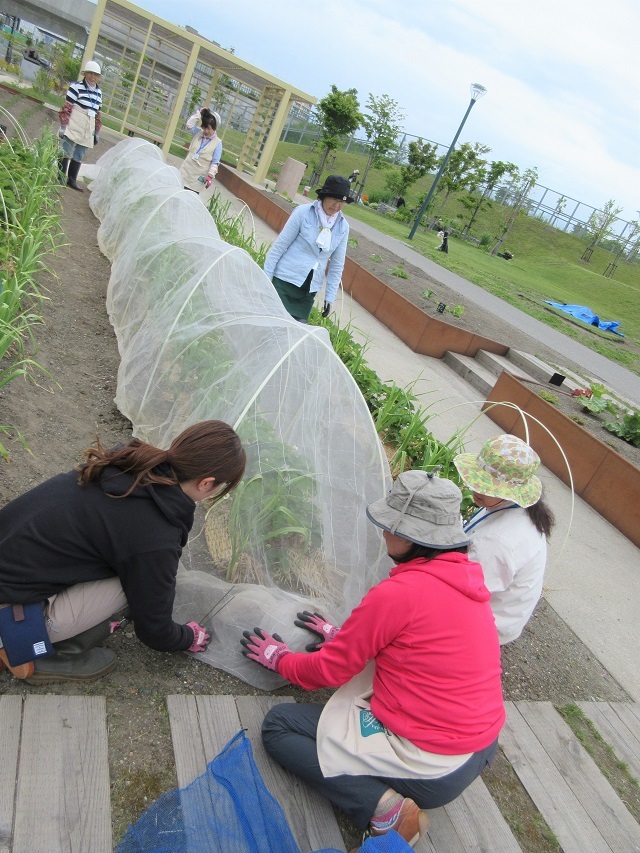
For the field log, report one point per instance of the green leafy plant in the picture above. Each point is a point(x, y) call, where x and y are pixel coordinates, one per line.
point(628, 429)
point(549, 397)
point(398, 271)
point(375, 258)
point(352, 243)
point(457, 310)
point(597, 402)
point(427, 294)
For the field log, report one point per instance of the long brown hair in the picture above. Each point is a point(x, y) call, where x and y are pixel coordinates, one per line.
point(542, 517)
point(207, 449)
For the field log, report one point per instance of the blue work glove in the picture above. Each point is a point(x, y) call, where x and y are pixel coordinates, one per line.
point(62, 130)
point(265, 649)
point(317, 624)
point(327, 309)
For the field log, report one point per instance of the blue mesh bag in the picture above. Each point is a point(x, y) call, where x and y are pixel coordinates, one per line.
point(226, 810)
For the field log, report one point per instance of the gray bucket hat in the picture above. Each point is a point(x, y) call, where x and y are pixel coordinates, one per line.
point(422, 508)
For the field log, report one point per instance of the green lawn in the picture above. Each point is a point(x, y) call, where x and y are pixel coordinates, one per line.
point(540, 270)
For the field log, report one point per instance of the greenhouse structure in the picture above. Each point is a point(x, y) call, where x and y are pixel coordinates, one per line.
point(155, 74)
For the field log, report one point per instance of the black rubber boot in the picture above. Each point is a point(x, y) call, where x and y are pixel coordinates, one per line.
point(76, 659)
point(72, 176)
point(63, 164)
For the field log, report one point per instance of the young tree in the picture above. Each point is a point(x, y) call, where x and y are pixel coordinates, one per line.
point(339, 115)
point(65, 69)
point(559, 208)
point(523, 187)
point(490, 178)
point(599, 226)
point(422, 158)
point(382, 127)
point(628, 245)
point(464, 171)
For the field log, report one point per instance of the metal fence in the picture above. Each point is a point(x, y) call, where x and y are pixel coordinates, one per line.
point(552, 206)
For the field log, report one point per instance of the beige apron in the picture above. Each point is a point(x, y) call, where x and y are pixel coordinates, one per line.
point(192, 168)
point(352, 742)
point(81, 127)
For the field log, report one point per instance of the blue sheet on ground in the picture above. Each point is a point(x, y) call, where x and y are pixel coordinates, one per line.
point(227, 810)
point(581, 312)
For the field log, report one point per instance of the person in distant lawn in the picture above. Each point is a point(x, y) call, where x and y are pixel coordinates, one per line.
point(419, 707)
point(313, 235)
point(108, 535)
point(80, 123)
point(509, 531)
point(200, 166)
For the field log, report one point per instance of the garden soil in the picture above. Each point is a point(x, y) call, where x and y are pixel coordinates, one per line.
point(60, 414)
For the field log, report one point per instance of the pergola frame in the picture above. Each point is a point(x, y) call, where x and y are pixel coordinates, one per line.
point(152, 68)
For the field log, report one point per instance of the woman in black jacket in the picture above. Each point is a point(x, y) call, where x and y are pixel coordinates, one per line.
point(107, 535)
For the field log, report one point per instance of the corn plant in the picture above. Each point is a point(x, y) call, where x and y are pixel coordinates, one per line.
point(231, 229)
point(29, 229)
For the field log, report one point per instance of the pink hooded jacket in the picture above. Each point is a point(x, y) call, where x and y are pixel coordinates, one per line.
point(431, 632)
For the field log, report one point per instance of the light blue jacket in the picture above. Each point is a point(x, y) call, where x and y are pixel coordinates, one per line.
point(295, 252)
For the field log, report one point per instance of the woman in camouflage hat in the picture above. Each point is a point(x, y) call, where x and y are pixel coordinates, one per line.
point(510, 529)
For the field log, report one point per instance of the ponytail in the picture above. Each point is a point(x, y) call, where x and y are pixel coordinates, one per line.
point(208, 449)
point(542, 517)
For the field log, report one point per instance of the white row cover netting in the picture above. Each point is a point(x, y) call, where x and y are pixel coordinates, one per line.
point(202, 334)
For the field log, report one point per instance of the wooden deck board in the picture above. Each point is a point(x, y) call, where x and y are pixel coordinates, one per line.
point(10, 724)
point(573, 796)
point(619, 725)
point(62, 800)
point(202, 725)
point(473, 824)
point(309, 815)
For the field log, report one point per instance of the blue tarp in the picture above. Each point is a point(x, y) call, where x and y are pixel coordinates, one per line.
point(226, 810)
point(581, 312)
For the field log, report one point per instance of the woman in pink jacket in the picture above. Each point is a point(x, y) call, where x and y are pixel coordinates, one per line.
point(419, 706)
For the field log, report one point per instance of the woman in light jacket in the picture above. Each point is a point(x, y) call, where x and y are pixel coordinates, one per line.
point(315, 234)
point(200, 166)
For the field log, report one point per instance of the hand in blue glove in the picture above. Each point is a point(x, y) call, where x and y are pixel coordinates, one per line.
point(317, 624)
point(62, 130)
point(265, 649)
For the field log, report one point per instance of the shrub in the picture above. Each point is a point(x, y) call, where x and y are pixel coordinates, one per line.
point(486, 240)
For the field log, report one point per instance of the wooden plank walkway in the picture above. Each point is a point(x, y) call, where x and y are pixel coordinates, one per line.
point(202, 725)
point(619, 725)
point(573, 796)
point(54, 775)
point(54, 780)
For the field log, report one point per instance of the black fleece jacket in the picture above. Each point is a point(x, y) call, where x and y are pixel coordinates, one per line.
point(60, 534)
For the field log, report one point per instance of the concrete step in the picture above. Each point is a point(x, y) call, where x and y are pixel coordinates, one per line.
point(542, 372)
point(497, 363)
point(478, 376)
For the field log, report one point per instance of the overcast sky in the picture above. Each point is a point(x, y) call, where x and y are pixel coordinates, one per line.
point(563, 76)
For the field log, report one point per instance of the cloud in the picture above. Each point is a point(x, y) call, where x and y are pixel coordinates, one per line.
point(562, 77)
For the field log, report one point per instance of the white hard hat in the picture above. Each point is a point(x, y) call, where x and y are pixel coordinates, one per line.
point(216, 117)
point(93, 67)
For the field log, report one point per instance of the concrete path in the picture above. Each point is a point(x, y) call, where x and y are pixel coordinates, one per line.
point(593, 575)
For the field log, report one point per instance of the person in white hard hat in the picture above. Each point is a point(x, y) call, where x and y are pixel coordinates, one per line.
point(80, 123)
point(201, 163)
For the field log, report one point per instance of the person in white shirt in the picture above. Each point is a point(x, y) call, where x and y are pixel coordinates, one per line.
point(509, 531)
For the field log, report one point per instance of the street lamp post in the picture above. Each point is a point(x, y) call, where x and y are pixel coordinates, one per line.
point(477, 91)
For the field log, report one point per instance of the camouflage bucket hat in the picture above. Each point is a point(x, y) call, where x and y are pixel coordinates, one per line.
point(422, 508)
point(505, 468)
